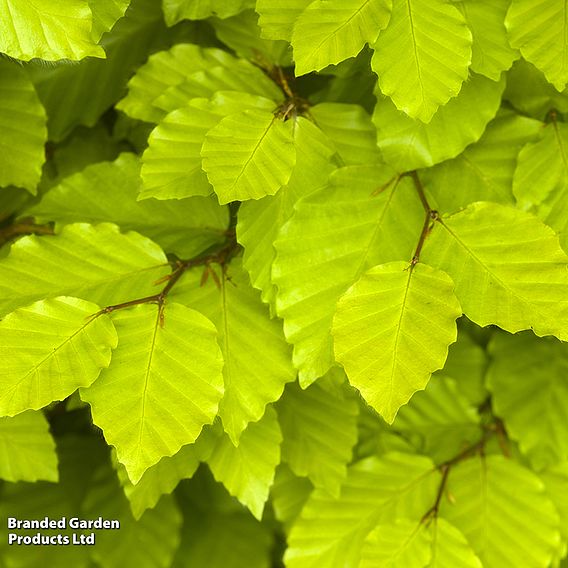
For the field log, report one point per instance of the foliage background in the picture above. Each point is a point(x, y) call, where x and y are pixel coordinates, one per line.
point(284, 283)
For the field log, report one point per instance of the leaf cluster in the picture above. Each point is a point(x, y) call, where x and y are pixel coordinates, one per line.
point(284, 283)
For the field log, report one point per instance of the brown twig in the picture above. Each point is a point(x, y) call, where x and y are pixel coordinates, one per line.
point(431, 215)
point(221, 257)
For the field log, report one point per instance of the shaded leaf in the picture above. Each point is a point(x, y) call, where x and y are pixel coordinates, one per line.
point(81, 93)
point(440, 421)
point(530, 93)
point(350, 130)
point(219, 538)
point(288, 495)
point(330, 532)
point(166, 69)
point(107, 192)
point(319, 426)
point(79, 457)
point(242, 34)
point(402, 544)
point(23, 131)
point(467, 364)
point(177, 10)
point(27, 450)
point(408, 144)
point(502, 509)
point(163, 477)
point(277, 17)
point(150, 542)
point(247, 471)
point(483, 171)
point(527, 378)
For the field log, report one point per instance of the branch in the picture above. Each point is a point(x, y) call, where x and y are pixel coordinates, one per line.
point(222, 257)
point(431, 216)
point(495, 428)
point(25, 227)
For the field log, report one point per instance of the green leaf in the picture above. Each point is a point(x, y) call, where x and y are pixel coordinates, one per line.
point(484, 171)
point(288, 495)
point(450, 548)
point(335, 235)
point(330, 532)
point(81, 93)
point(316, 446)
point(163, 477)
point(94, 262)
point(79, 457)
point(350, 130)
point(491, 52)
point(107, 192)
point(440, 421)
point(508, 268)
point(416, 80)
point(242, 34)
point(50, 349)
point(376, 437)
point(467, 364)
point(27, 450)
point(23, 131)
point(247, 471)
point(48, 29)
point(277, 17)
point(255, 372)
point(527, 380)
point(166, 376)
point(502, 509)
point(408, 144)
point(403, 544)
point(223, 539)
point(530, 93)
point(392, 330)
point(330, 31)
point(166, 69)
point(239, 76)
point(260, 221)
point(105, 15)
point(171, 165)
point(177, 10)
point(541, 178)
point(538, 28)
point(249, 155)
point(428, 544)
point(147, 543)
point(555, 480)
point(542, 173)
